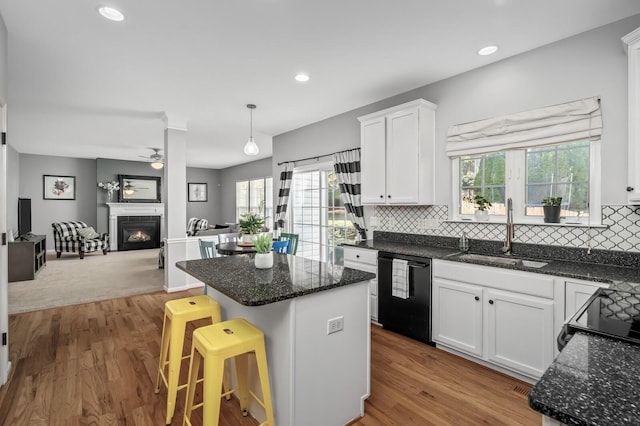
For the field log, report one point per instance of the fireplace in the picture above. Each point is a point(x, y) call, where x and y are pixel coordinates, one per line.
point(128, 210)
point(138, 232)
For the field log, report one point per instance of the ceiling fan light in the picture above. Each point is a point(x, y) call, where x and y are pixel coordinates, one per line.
point(129, 191)
point(251, 148)
point(157, 165)
point(111, 14)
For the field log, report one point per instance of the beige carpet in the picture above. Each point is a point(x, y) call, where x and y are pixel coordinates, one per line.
point(69, 280)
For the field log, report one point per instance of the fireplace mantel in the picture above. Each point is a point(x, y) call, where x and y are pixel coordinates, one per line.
point(131, 209)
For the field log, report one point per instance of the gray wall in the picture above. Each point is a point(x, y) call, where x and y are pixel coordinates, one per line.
point(589, 64)
point(108, 170)
point(210, 210)
point(45, 212)
point(13, 189)
point(229, 177)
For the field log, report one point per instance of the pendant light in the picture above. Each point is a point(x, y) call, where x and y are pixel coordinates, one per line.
point(251, 148)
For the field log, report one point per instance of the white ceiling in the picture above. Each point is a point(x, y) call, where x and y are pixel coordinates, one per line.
point(82, 86)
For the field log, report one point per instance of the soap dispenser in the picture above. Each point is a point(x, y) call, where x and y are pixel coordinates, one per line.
point(464, 243)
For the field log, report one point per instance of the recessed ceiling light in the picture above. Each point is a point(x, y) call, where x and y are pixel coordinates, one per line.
point(488, 50)
point(111, 13)
point(302, 77)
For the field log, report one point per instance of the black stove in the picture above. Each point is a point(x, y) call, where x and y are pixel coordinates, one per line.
point(610, 313)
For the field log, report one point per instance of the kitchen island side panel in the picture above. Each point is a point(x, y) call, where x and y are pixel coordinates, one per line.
point(315, 378)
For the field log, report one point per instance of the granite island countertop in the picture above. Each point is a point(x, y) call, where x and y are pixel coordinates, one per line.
point(291, 276)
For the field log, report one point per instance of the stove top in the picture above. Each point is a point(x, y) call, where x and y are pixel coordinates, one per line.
point(610, 313)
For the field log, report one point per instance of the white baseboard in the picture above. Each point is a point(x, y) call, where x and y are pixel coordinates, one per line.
point(182, 288)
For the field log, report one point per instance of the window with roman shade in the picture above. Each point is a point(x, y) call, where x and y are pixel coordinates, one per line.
point(527, 156)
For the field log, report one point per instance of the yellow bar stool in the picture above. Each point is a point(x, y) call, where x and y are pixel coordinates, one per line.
point(213, 344)
point(177, 313)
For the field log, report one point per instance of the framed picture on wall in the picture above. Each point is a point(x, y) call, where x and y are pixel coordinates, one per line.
point(58, 187)
point(197, 192)
point(139, 189)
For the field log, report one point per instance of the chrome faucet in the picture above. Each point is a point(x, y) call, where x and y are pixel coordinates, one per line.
point(506, 248)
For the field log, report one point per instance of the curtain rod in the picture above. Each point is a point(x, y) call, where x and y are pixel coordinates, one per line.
point(317, 157)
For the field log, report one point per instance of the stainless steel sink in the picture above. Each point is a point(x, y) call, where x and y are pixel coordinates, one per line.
point(503, 260)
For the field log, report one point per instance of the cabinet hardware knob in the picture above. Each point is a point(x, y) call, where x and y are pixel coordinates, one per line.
point(388, 196)
point(381, 196)
point(630, 188)
point(358, 256)
point(477, 298)
point(491, 302)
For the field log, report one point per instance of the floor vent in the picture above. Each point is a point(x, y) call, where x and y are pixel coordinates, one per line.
point(521, 390)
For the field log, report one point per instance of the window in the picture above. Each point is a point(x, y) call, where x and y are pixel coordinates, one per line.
point(482, 174)
point(255, 195)
point(318, 215)
point(558, 171)
point(568, 170)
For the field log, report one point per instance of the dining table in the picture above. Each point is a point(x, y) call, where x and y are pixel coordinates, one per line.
point(235, 247)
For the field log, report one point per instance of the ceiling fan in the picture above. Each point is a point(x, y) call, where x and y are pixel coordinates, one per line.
point(156, 159)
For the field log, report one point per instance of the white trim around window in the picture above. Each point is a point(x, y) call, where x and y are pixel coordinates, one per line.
point(515, 175)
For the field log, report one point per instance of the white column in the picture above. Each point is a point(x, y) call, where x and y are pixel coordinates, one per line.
point(175, 200)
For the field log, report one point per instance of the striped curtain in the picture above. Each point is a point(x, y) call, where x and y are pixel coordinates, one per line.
point(347, 167)
point(286, 176)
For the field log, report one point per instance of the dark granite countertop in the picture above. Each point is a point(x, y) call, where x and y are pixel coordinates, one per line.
point(290, 277)
point(594, 381)
point(560, 261)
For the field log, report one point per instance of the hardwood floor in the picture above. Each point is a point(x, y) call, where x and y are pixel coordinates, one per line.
point(416, 384)
point(96, 364)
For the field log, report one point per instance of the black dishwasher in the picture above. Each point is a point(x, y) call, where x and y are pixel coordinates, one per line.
point(408, 316)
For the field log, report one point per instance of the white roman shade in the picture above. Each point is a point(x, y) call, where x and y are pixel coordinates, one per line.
point(573, 121)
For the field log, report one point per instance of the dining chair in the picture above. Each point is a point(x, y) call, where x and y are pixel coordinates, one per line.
point(207, 251)
point(293, 248)
point(281, 246)
point(230, 237)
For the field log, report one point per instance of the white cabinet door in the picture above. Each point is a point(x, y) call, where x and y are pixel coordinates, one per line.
point(397, 154)
point(577, 294)
point(520, 331)
point(457, 315)
point(403, 157)
point(632, 40)
point(372, 161)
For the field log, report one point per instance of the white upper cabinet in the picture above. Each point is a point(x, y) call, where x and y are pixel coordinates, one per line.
point(397, 158)
point(632, 41)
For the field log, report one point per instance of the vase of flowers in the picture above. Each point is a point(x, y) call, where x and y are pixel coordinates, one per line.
point(110, 187)
point(264, 255)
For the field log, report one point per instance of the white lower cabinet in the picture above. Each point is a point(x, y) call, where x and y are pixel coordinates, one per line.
point(365, 260)
point(475, 312)
point(520, 331)
point(457, 315)
point(576, 295)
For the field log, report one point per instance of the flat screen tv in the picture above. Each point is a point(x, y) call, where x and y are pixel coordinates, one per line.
point(24, 216)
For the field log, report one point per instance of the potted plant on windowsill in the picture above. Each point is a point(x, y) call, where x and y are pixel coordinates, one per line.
point(264, 255)
point(250, 224)
point(482, 208)
point(551, 207)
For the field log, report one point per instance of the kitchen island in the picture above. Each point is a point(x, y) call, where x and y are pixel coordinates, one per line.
point(316, 378)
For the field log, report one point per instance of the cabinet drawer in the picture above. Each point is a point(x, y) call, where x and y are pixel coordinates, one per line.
point(365, 256)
